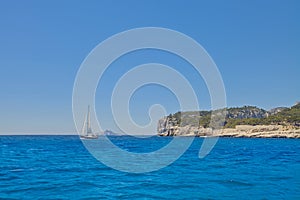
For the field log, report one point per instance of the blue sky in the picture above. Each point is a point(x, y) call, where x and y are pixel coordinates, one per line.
point(255, 45)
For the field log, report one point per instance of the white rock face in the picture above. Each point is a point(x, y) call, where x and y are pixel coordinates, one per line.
point(260, 131)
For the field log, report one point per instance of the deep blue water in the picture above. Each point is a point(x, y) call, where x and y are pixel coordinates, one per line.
point(59, 167)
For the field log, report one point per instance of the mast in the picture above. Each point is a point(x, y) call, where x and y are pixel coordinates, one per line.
point(88, 122)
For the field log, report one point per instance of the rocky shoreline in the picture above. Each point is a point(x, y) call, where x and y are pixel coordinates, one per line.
point(259, 131)
point(246, 121)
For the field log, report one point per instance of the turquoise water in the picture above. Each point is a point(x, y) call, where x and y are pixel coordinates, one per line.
point(59, 167)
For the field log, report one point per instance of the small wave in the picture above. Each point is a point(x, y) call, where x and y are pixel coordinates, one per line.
point(33, 149)
point(233, 182)
point(17, 170)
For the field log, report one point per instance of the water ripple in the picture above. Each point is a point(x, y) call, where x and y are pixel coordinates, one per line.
point(59, 167)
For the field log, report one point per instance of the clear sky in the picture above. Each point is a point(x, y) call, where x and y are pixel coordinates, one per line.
point(255, 44)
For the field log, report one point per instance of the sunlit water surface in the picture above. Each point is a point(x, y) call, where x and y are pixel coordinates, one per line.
point(59, 167)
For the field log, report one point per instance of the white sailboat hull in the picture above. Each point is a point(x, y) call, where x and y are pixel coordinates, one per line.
point(88, 137)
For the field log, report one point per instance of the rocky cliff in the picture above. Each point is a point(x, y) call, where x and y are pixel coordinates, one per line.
point(247, 121)
point(246, 112)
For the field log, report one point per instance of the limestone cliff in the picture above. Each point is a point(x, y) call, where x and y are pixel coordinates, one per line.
point(247, 121)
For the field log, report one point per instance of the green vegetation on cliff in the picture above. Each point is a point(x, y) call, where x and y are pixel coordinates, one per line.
point(247, 115)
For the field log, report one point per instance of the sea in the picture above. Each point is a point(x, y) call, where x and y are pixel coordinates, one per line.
point(60, 167)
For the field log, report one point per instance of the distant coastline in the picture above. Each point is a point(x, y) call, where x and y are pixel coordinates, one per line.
point(247, 121)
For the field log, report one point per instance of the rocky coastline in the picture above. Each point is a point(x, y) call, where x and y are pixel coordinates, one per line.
point(258, 131)
point(246, 122)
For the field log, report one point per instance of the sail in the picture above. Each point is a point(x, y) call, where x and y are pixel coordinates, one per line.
point(87, 132)
point(88, 123)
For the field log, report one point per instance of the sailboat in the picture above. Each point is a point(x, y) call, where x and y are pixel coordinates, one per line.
point(87, 132)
